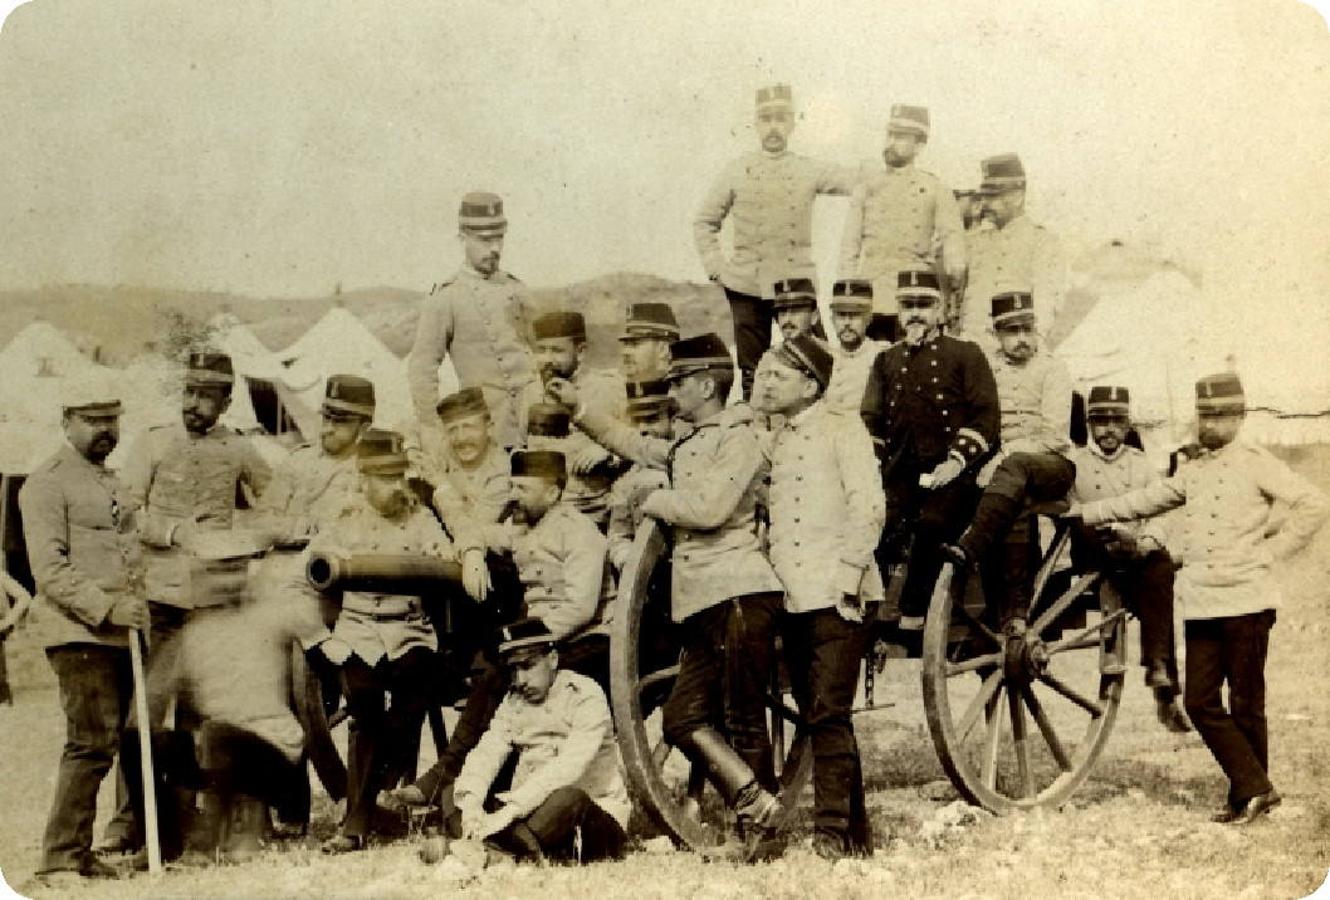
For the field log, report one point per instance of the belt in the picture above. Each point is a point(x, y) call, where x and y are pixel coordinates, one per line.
point(391, 607)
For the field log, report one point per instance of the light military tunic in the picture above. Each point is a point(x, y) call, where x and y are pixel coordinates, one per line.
point(626, 514)
point(472, 499)
point(78, 524)
point(1226, 499)
point(1035, 400)
point(827, 510)
point(309, 488)
point(177, 477)
point(1022, 256)
point(716, 473)
point(770, 199)
point(566, 741)
point(481, 323)
point(900, 218)
point(1100, 475)
point(849, 375)
point(375, 625)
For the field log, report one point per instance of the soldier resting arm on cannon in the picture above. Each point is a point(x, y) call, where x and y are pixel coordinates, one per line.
point(567, 799)
point(1226, 495)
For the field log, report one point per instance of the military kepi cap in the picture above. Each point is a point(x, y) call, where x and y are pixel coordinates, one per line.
point(547, 420)
point(482, 211)
point(913, 119)
point(775, 94)
point(646, 399)
point(538, 464)
point(92, 394)
point(794, 293)
point(560, 324)
point(524, 633)
point(809, 355)
point(1106, 401)
point(208, 367)
point(1220, 394)
point(1003, 172)
point(918, 282)
point(852, 294)
point(348, 395)
point(466, 402)
point(650, 320)
point(381, 452)
point(698, 354)
point(1011, 306)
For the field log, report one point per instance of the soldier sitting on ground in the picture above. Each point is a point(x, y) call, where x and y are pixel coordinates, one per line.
point(567, 800)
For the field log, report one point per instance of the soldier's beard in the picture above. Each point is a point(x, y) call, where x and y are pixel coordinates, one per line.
point(99, 448)
point(850, 339)
point(916, 331)
point(894, 160)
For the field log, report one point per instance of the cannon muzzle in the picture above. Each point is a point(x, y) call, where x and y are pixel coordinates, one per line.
point(381, 573)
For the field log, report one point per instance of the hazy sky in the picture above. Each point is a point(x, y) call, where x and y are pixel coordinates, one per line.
point(277, 148)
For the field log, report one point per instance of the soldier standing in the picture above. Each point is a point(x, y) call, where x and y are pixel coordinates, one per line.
point(644, 346)
point(827, 510)
point(853, 350)
point(185, 478)
point(1133, 554)
point(78, 527)
point(932, 407)
point(770, 196)
point(1014, 255)
point(567, 799)
point(477, 318)
point(382, 642)
point(561, 353)
point(725, 595)
point(795, 307)
point(902, 217)
point(1226, 495)
point(651, 410)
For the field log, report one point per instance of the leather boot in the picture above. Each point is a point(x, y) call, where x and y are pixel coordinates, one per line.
point(727, 769)
point(248, 827)
point(992, 520)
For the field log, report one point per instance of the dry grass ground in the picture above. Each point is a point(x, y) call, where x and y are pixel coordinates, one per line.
point(1139, 828)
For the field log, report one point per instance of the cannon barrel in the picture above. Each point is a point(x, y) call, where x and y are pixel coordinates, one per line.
point(380, 572)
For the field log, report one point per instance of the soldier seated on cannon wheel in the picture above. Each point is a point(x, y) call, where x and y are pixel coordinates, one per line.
point(1133, 555)
point(566, 799)
point(1031, 465)
point(561, 561)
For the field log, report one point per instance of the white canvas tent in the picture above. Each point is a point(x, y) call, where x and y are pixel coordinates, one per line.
point(255, 364)
point(339, 343)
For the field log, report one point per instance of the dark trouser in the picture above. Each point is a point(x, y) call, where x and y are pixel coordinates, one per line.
point(555, 824)
point(376, 755)
point(822, 651)
point(1146, 585)
point(95, 688)
point(488, 687)
point(6, 695)
point(238, 766)
point(1003, 515)
point(724, 675)
point(176, 774)
point(753, 318)
point(931, 518)
point(1231, 649)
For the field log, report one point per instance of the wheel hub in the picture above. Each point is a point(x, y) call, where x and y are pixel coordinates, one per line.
point(1024, 656)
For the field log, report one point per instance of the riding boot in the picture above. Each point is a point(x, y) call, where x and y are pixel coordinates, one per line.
point(729, 772)
point(992, 520)
point(1017, 576)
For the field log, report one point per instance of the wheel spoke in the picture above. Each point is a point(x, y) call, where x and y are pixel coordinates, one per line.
point(660, 752)
point(1059, 606)
point(977, 624)
point(1018, 740)
point(665, 674)
point(1075, 696)
point(1080, 640)
point(1046, 728)
point(972, 664)
point(980, 702)
point(989, 771)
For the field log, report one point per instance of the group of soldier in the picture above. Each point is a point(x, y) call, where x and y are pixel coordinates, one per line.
point(927, 428)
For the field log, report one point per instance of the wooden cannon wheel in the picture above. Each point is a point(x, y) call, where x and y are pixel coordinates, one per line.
point(307, 699)
point(653, 769)
point(984, 691)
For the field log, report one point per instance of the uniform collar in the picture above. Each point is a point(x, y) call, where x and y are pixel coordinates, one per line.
point(808, 415)
point(1106, 457)
point(468, 272)
point(68, 452)
point(775, 156)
